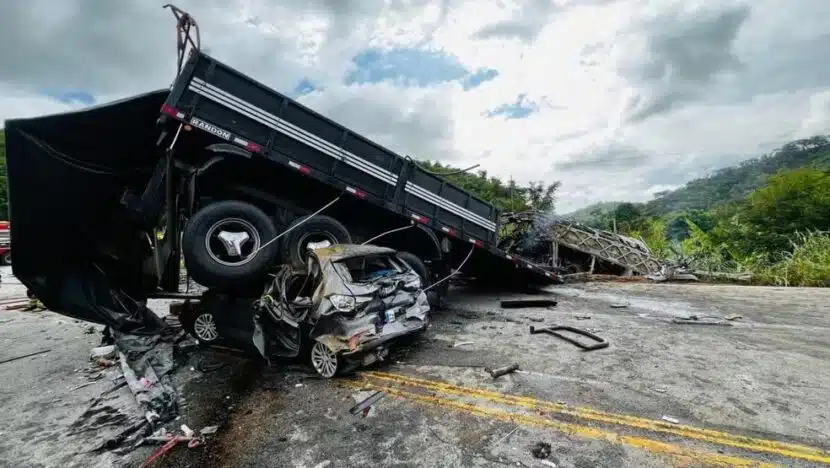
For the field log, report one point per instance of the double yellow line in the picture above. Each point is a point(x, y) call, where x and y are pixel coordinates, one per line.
point(773, 447)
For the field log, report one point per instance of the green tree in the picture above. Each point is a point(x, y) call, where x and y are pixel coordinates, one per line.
point(791, 202)
point(629, 217)
point(505, 196)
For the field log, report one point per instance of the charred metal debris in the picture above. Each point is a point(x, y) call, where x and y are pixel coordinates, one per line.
point(556, 330)
point(580, 252)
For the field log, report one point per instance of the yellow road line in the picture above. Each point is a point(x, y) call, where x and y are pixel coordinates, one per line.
point(653, 446)
point(707, 435)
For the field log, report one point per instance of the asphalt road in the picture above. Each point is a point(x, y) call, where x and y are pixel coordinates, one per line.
point(663, 394)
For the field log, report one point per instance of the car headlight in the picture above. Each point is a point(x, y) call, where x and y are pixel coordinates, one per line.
point(343, 303)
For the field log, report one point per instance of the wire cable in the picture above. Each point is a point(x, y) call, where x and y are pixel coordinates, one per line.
point(184, 23)
point(307, 218)
point(454, 272)
point(411, 225)
point(459, 171)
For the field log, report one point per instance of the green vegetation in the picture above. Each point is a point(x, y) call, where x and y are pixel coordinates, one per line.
point(769, 216)
point(506, 196)
point(590, 214)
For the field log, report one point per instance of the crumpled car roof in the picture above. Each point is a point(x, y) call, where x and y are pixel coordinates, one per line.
point(339, 252)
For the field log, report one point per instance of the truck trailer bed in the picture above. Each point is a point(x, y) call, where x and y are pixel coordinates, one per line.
point(213, 97)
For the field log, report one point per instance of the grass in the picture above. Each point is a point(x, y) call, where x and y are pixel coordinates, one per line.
point(807, 265)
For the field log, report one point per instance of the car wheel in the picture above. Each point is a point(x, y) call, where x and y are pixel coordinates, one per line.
point(202, 326)
point(7, 258)
point(317, 229)
point(324, 360)
point(224, 244)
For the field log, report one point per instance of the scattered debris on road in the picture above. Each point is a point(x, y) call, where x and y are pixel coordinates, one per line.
point(619, 305)
point(461, 343)
point(523, 303)
point(103, 352)
point(188, 432)
point(209, 430)
point(500, 371)
point(365, 405)
point(78, 387)
point(555, 331)
point(25, 356)
point(701, 320)
point(541, 450)
point(670, 419)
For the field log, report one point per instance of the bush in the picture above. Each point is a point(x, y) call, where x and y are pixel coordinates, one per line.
point(807, 265)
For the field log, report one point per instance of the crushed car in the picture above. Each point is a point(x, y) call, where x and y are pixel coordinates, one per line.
point(342, 311)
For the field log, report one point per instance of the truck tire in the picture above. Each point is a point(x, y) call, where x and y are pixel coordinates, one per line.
point(433, 295)
point(216, 252)
point(418, 265)
point(317, 229)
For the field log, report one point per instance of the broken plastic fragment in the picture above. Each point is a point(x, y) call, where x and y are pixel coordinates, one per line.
point(188, 432)
point(106, 352)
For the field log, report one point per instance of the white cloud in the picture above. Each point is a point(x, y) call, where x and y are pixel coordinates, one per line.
point(16, 103)
point(633, 96)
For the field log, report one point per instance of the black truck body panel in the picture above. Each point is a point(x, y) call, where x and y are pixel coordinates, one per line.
point(214, 97)
point(74, 246)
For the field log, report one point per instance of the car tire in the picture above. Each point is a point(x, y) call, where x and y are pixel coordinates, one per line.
point(7, 258)
point(316, 229)
point(201, 326)
point(206, 244)
point(327, 362)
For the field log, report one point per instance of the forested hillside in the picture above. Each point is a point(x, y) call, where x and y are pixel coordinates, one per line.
point(725, 186)
point(734, 183)
point(590, 214)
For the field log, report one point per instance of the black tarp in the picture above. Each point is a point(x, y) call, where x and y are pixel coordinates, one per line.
point(74, 245)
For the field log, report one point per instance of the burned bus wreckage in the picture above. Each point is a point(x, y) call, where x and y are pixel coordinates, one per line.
point(301, 231)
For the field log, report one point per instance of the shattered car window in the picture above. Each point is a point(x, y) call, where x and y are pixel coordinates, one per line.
point(366, 269)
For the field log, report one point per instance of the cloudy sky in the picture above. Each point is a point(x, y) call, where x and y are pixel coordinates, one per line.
point(617, 99)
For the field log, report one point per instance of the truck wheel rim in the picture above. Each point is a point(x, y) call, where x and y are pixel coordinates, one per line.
point(217, 250)
point(205, 327)
point(312, 237)
point(324, 360)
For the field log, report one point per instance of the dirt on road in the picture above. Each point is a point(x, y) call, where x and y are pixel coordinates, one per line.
point(750, 391)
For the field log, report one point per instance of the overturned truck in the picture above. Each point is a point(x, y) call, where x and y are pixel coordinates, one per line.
point(242, 183)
